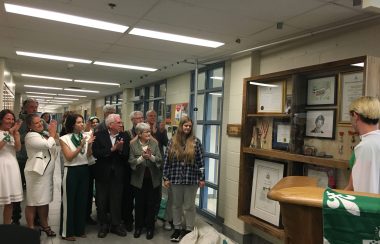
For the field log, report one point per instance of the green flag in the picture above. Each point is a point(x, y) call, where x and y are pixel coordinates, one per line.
point(350, 218)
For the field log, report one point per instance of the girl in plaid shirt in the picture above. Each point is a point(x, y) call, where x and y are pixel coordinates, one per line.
point(184, 172)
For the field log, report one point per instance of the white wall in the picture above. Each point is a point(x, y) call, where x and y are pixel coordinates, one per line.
point(178, 89)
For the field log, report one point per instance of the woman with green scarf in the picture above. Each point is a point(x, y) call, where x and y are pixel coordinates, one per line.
point(76, 149)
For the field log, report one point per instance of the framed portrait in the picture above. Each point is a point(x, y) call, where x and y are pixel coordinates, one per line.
point(321, 91)
point(281, 134)
point(270, 99)
point(265, 175)
point(320, 123)
point(326, 177)
point(352, 87)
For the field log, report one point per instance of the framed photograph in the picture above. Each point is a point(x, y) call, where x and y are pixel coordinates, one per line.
point(321, 91)
point(326, 177)
point(281, 134)
point(265, 175)
point(270, 99)
point(234, 130)
point(320, 123)
point(352, 87)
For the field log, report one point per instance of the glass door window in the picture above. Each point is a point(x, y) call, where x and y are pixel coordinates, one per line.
point(209, 124)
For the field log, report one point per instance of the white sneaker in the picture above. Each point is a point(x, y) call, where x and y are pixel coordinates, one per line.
point(167, 226)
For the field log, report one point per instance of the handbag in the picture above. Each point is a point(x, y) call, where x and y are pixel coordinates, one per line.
point(37, 163)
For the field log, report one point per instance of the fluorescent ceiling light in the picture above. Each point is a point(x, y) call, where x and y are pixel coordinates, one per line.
point(46, 77)
point(216, 77)
point(66, 98)
point(98, 82)
point(70, 95)
point(39, 96)
point(53, 57)
point(42, 93)
point(124, 66)
point(66, 18)
point(262, 84)
point(44, 87)
point(175, 38)
point(358, 64)
point(216, 93)
point(56, 101)
point(80, 90)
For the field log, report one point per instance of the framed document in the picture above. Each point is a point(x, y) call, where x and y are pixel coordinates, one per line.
point(321, 91)
point(325, 176)
point(270, 99)
point(320, 123)
point(265, 175)
point(352, 87)
point(281, 134)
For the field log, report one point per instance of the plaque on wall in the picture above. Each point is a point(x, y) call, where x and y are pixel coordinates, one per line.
point(265, 175)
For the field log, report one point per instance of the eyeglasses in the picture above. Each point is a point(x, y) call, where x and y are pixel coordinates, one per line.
point(146, 132)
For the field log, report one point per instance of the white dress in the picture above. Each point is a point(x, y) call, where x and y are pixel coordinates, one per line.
point(10, 177)
point(39, 188)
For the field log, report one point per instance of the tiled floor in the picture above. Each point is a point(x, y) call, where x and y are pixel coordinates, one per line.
point(161, 235)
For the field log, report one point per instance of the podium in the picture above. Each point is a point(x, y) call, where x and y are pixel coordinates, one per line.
point(301, 208)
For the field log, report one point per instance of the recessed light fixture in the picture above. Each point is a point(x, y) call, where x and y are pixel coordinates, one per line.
point(175, 38)
point(42, 93)
point(53, 57)
point(97, 82)
point(124, 66)
point(70, 95)
point(43, 87)
point(262, 84)
point(216, 77)
point(39, 96)
point(66, 18)
point(80, 90)
point(66, 98)
point(46, 77)
point(358, 64)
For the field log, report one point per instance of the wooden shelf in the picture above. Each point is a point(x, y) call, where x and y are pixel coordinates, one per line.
point(264, 226)
point(269, 115)
point(277, 154)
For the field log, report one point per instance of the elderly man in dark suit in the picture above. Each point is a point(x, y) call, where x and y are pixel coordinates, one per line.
point(111, 149)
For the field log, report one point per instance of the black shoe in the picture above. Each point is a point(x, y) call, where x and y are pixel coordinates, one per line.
point(176, 236)
point(103, 231)
point(16, 222)
point(137, 233)
point(90, 221)
point(149, 234)
point(184, 232)
point(129, 227)
point(118, 230)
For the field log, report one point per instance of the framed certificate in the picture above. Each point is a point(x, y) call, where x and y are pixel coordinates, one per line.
point(281, 134)
point(270, 99)
point(321, 91)
point(265, 175)
point(352, 87)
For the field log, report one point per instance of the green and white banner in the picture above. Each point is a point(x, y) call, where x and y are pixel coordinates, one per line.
point(350, 218)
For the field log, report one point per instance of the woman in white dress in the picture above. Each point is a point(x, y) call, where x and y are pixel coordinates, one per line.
point(39, 170)
point(10, 177)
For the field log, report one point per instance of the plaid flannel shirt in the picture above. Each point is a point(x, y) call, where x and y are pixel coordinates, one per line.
point(180, 173)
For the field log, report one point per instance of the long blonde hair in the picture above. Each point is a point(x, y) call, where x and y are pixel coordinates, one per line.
point(183, 145)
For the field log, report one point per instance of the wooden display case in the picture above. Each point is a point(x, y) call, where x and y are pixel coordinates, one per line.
point(296, 87)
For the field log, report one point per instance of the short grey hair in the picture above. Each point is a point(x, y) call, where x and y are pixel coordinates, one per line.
point(150, 111)
point(141, 127)
point(111, 118)
point(27, 101)
point(108, 108)
point(134, 114)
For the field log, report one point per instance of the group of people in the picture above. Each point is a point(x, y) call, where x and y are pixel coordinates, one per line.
point(128, 167)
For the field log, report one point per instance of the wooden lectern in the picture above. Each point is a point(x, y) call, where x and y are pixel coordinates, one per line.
point(301, 208)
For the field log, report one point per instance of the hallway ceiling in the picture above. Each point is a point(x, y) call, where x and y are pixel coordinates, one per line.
point(240, 24)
